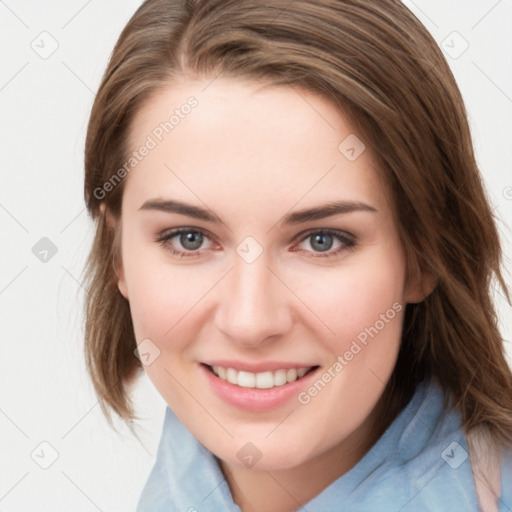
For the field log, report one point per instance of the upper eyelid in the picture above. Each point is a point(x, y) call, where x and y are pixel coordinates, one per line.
point(171, 233)
point(336, 232)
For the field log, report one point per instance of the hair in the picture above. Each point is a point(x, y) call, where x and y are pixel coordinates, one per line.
point(378, 64)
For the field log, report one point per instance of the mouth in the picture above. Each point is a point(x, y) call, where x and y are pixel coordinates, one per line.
point(261, 380)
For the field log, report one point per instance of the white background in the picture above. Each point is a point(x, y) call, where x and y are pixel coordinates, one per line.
point(45, 393)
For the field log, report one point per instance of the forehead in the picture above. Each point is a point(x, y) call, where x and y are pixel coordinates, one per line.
point(246, 144)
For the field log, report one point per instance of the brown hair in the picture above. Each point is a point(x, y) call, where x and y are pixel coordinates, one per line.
point(379, 64)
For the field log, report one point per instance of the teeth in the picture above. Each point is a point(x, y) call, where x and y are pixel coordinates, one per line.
point(263, 380)
point(301, 372)
point(231, 374)
point(222, 372)
point(291, 375)
point(246, 379)
point(280, 378)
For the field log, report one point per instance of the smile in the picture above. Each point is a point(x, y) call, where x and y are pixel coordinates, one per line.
point(270, 385)
point(262, 380)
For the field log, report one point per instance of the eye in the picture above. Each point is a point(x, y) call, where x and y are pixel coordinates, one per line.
point(190, 239)
point(322, 241)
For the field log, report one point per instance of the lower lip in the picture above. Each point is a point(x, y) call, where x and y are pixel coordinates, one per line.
point(255, 399)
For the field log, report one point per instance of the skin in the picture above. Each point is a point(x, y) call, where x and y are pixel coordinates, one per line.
point(253, 154)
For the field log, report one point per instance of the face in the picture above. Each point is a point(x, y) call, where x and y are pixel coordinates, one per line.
point(232, 263)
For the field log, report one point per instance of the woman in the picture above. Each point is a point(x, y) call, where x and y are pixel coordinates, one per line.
point(294, 243)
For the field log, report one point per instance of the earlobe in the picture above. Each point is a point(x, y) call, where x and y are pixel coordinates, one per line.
point(421, 288)
point(121, 282)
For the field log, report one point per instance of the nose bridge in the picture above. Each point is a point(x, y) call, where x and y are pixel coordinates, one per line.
point(253, 304)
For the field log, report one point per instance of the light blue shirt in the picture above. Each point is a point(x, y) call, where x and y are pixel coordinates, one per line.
point(419, 464)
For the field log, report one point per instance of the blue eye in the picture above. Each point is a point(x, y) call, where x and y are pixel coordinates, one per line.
point(322, 241)
point(191, 239)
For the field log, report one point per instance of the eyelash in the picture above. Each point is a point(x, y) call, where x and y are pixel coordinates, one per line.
point(348, 241)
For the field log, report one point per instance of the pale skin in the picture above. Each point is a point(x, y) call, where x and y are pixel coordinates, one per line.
point(253, 155)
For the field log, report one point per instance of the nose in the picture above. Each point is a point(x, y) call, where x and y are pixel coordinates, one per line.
point(253, 304)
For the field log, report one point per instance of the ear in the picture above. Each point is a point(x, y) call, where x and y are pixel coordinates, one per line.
point(420, 287)
point(117, 263)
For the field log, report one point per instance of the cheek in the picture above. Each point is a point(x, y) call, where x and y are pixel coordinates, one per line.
point(164, 304)
point(160, 294)
point(169, 303)
point(159, 303)
point(357, 299)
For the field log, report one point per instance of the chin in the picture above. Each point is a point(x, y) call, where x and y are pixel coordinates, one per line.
point(264, 456)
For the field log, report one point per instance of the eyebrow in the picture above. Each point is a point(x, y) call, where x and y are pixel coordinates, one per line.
point(298, 217)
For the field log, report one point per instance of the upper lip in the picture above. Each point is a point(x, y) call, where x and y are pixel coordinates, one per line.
point(268, 366)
